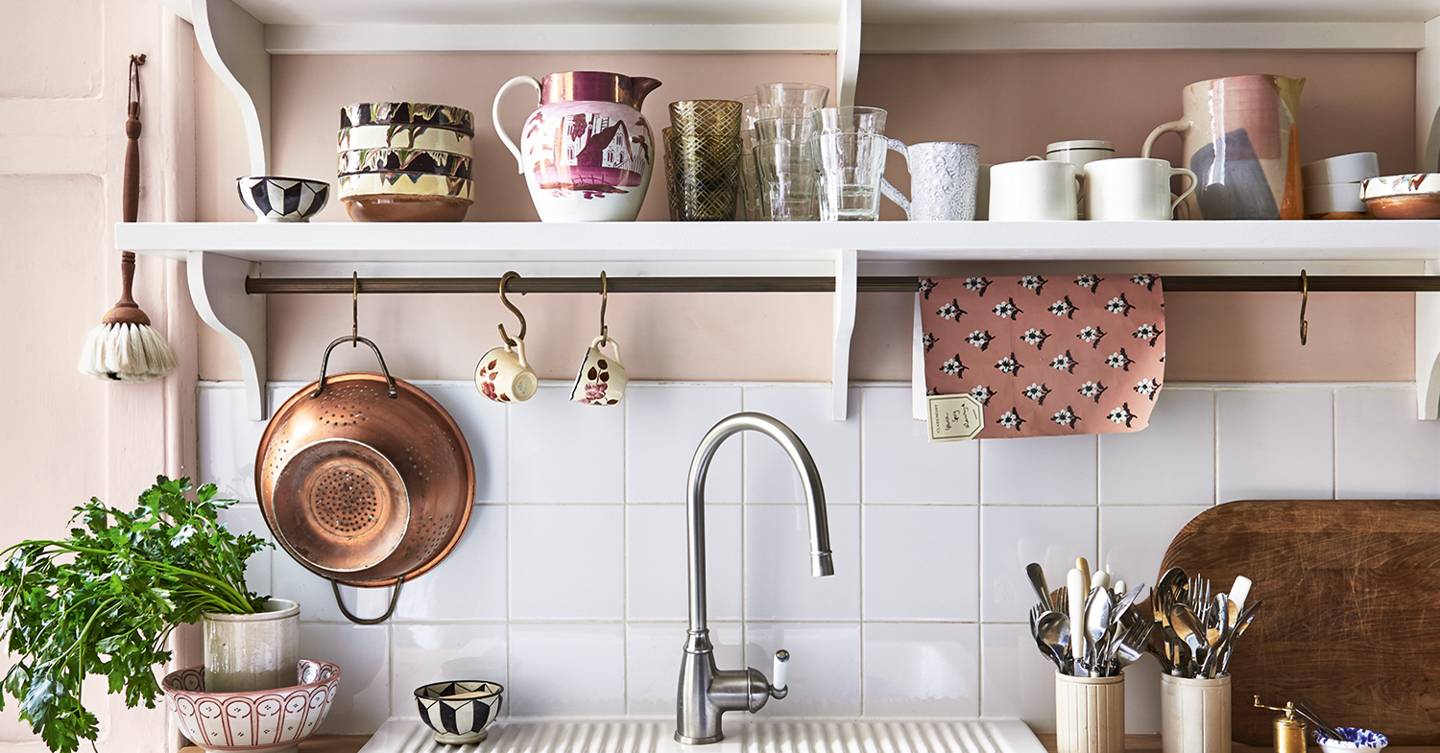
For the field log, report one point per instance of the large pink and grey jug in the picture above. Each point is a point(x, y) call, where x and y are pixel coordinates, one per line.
point(1242, 141)
point(586, 152)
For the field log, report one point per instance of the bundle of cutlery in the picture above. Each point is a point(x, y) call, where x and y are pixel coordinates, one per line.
point(1091, 627)
point(1197, 626)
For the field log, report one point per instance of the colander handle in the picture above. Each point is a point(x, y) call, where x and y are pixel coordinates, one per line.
point(325, 366)
point(394, 599)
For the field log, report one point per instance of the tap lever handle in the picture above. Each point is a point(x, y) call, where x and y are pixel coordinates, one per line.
point(780, 683)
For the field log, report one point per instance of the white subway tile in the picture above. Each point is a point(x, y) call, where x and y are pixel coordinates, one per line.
point(483, 424)
point(910, 550)
point(226, 441)
point(363, 653)
point(1133, 540)
point(1275, 444)
point(663, 426)
point(567, 670)
point(1172, 462)
point(470, 584)
point(1016, 682)
point(1383, 450)
point(243, 519)
point(1038, 471)
point(657, 568)
point(902, 465)
point(423, 654)
point(567, 562)
point(922, 670)
point(1142, 697)
point(1012, 537)
point(835, 445)
point(652, 658)
point(824, 665)
point(565, 452)
point(778, 583)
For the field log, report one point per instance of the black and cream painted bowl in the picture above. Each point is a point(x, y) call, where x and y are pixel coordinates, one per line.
point(279, 199)
point(459, 711)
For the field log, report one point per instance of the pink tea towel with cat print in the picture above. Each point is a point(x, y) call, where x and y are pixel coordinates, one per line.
point(1046, 356)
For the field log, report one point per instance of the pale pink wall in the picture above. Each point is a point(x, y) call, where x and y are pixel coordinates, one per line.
point(1010, 104)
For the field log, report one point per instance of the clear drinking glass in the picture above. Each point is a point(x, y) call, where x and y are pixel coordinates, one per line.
point(789, 180)
point(784, 129)
point(851, 165)
point(787, 94)
point(850, 119)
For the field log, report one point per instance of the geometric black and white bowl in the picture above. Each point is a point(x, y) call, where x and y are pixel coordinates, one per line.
point(459, 711)
point(278, 199)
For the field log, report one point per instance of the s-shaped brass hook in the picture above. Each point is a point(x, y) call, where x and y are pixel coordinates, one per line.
point(604, 302)
point(1304, 302)
point(505, 338)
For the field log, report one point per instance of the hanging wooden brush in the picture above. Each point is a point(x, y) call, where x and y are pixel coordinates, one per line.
point(124, 347)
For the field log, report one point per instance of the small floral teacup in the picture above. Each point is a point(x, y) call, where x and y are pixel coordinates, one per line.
point(503, 374)
point(602, 379)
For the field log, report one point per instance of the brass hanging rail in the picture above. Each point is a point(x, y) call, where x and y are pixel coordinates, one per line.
point(1172, 283)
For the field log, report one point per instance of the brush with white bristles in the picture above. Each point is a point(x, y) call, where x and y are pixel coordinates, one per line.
point(124, 347)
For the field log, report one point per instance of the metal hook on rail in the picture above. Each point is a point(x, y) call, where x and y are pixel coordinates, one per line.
point(1304, 302)
point(505, 338)
point(604, 303)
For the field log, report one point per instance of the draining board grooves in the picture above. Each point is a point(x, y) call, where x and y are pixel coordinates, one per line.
point(768, 736)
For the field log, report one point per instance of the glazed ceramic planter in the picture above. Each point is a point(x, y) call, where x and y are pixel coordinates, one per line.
point(1195, 714)
point(1089, 714)
point(245, 652)
point(586, 152)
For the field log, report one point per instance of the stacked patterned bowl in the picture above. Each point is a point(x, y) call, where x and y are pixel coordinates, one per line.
point(405, 161)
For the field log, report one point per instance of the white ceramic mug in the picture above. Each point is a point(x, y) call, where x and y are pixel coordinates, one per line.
point(602, 379)
point(1133, 188)
point(505, 376)
point(943, 178)
point(1033, 190)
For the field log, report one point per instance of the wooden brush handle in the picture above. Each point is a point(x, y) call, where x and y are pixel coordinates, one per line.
point(126, 311)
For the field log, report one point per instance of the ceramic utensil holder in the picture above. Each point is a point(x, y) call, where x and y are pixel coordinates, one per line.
point(1195, 714)
point(1089, 714)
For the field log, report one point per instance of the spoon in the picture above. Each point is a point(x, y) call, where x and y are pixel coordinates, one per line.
point(1098, 609)
point(1052, 633)
point(1037, 582)
point(1189, 630)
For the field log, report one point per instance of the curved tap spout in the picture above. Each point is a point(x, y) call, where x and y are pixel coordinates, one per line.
point(706, 693)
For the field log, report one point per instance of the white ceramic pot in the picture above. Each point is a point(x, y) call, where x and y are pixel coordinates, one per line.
point(258, 651)
point(1089, 714)
point(1033, 190)
point(1195, 714)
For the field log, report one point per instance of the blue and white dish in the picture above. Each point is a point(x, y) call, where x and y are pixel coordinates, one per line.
point(278, 199)
point(459, 711)
point(1356, 739)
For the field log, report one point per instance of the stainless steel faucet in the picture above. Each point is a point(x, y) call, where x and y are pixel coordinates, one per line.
point(706, 693)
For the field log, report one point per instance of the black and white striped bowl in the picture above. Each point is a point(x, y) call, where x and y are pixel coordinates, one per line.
point(459, 711)
point(278, 199)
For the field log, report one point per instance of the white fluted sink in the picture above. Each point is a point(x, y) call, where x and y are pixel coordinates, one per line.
point(743, 736)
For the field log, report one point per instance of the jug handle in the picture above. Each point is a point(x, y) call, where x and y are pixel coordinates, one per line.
point(1178, 126)
point(1174, 171)
point(495, 116)
point(891, 192)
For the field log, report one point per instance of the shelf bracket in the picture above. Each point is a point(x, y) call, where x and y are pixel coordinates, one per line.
point(847, 53)
point(217, 287)
point(847, 281)
point(1427, 350)
point(233, 43)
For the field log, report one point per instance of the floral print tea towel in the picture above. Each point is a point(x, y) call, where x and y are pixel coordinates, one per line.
point(1046, 356)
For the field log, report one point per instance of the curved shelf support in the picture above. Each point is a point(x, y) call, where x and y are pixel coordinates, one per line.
point(847, 52)
point(233, 43)
point(1427, 350)
point(846, 288)
point(217, 287)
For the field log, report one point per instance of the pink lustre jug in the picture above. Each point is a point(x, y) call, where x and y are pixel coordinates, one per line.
point(586, 151)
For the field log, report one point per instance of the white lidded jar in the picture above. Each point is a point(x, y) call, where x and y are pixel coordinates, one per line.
point(252, 651)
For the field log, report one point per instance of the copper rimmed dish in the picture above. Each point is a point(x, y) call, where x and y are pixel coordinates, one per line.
point(364, 479)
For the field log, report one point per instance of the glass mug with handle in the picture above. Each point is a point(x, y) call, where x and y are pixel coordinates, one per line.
point(944, 177)
point(1133, 188)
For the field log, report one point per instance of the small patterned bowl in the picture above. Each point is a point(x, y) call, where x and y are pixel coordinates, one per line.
point(1357, 739)
point(256, 721)
point(277, 199)
point(459, 711)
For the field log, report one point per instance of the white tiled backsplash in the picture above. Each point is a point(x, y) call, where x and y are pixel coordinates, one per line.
point(569, 585)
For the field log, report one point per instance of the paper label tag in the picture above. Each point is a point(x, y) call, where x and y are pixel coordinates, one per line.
point(954, 417)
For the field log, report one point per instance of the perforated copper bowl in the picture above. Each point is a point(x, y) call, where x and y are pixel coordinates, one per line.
point(343, 506)
point(398, 422)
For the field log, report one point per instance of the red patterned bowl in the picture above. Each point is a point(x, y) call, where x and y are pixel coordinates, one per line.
point(256, 721)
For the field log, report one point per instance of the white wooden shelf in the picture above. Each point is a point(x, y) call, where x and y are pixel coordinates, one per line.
point(221, 255)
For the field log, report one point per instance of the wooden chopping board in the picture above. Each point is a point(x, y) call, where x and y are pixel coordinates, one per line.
point(1351, 619)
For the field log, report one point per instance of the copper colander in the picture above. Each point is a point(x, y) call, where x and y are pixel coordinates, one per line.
point(364, 479)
